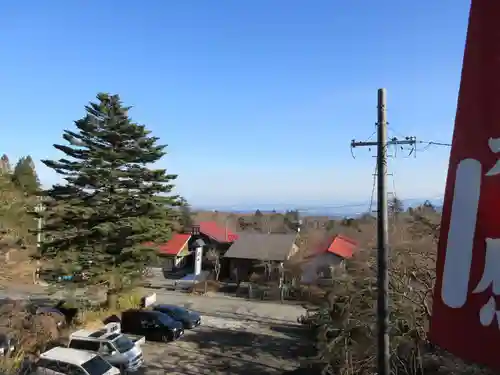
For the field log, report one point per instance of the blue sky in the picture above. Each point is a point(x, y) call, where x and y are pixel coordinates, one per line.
point(258, 100)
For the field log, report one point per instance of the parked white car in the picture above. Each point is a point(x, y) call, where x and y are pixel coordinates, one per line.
point(122, 351)
point(66, 361)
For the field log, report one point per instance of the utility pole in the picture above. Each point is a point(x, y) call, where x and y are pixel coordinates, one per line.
point(383, 350)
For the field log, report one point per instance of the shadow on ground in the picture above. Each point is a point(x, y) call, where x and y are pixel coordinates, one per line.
point(293, 331)
point(240, 316)
point(217, 351)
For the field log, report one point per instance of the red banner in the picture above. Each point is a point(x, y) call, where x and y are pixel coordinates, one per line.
point(466, 309)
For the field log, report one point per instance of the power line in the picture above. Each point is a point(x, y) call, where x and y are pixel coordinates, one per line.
point(390, 127)
point(432, 143)
point(428, 145)
point(370, 137)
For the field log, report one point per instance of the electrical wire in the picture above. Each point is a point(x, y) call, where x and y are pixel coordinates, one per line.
point(412, 151)
point(370, 137)
point(435, 143)
point(390, 127)
point(429, 144)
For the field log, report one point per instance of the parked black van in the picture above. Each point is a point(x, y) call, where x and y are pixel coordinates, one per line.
point(154, 325)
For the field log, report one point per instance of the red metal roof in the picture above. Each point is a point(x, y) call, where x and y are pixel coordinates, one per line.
point(175, 245)
point(218, 233)
point(343, 247)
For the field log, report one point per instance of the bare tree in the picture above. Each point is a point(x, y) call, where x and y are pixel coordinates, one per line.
point(213, 259)
point(281, 285)
point(217, 268)
point(332, 270)
point(343, 319)
point(268, 270)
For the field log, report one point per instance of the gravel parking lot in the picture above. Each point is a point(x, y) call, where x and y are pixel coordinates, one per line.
point(236, 337)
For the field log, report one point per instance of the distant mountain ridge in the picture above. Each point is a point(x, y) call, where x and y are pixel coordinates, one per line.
point(333, 211)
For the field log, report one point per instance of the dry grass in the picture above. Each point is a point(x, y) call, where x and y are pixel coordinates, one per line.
point(209, 286)
point(36, 333)
point(18, 268)
point(93, 318)
point(12, 365)
point(33, 334)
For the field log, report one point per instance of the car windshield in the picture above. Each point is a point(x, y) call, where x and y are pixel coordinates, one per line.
point(97, 366)
point(123, 344)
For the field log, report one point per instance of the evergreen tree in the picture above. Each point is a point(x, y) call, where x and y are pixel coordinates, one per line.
point(258, 221)
point(24, 176)
point(108, 214)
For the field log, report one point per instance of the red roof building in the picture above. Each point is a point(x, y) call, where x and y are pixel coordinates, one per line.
point(327, 253)
point(216, 232)
point(175, 252)
point(338, 245)
point(179, 241)
point(175, 245)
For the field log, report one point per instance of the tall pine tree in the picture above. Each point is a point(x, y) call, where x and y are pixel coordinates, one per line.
point(25, 177)
point(112, 208)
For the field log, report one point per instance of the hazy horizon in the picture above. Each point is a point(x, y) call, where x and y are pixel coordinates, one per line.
point(317, 209)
